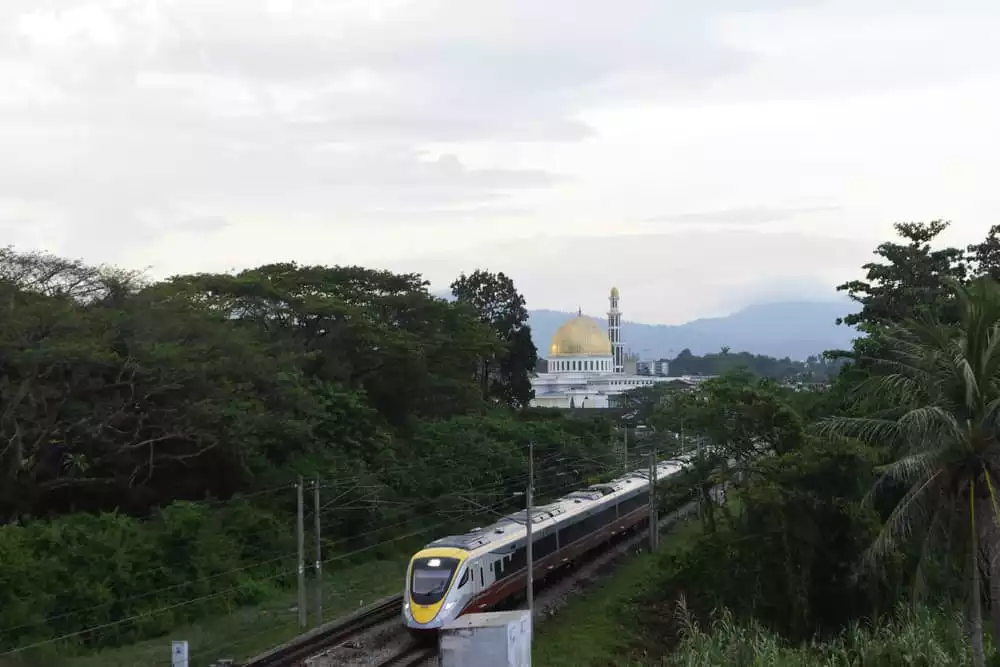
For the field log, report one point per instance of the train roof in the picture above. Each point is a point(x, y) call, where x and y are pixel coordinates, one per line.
point(480, 537)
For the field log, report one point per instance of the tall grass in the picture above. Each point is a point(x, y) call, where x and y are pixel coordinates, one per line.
point(922, 638)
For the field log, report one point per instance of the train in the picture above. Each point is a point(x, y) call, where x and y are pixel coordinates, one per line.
point(485, 568)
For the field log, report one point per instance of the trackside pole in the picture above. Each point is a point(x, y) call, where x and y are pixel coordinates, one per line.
point(300, 530)
point(653, 527)
point(530, 534)
point(319, 554)
point(625, 451)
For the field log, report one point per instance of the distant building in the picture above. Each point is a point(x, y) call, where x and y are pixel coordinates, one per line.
point(659, 368)
point(631, 364)
point(587, 367)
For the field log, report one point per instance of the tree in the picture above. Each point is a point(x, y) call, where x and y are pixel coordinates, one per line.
point(505, 376)
point(785, 551)
point(939, 386)
point(911, 282)
point(984, 258)
point(375, 331)
point(130, 402)
point(725, 361)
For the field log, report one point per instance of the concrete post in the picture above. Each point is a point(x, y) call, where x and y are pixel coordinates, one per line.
point(300, 534)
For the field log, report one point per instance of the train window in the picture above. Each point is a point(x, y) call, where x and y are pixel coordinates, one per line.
point(429, 578)
point(519, 560)
point(465, 579)
point(482, 576)
point(545, 546)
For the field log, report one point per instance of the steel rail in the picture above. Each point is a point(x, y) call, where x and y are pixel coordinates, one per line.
point(330, 634)
point(410, 656)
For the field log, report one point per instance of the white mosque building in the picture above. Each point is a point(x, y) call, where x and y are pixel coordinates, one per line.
point(588, 366)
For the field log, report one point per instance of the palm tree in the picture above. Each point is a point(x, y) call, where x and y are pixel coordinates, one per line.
point(942, 386)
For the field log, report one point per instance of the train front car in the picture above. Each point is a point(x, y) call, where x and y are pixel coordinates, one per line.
point(435, 588)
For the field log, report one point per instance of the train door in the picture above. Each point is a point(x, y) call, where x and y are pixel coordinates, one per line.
point(474, 568)
point(483, 580)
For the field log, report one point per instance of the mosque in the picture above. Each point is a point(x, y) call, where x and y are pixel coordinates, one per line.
point(588, 367)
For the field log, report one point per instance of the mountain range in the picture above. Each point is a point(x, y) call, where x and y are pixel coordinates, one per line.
point(795, 329)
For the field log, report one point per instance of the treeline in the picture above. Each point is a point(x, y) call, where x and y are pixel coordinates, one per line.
point(847, 505)
point(135, 415)
point(815, 369)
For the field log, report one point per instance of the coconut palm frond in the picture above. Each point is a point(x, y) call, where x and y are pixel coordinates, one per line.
point(900, 523)
point(865, 429)
point(935, 531)
point(989, 357)
point(991, 412)
point(891, 388)
point(967, 379)
point(910, 467)
point(929, 421)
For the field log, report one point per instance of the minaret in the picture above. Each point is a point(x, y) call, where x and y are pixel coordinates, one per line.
point(615, 332)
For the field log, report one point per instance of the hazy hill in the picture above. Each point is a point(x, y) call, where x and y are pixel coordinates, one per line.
point(795, 329)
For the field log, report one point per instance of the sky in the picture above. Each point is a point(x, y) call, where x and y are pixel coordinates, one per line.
point(701, 156)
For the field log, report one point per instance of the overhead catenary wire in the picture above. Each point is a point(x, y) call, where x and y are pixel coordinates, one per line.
point(551, 488)
point(138, 596)
point(145, 614)
point(414, 533)
point(496, 488)
point(224, 592)
point(197, 580)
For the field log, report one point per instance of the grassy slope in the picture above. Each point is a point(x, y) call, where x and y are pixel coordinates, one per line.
point(599, 627)
point(246, 631)
point(602, 627)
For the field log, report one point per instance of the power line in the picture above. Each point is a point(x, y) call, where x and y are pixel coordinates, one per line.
point(152, 612)
point(138, 596)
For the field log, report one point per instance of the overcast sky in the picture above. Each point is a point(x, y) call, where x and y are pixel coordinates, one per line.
point(700, 155)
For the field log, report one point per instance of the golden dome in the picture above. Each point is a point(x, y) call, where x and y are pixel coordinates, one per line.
point(614, 292)
point(580, 336)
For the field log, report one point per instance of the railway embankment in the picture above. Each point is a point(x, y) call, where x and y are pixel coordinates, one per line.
point(602, 622)
point(373, 638)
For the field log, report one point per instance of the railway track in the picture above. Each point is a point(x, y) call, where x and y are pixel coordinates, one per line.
point(331, 635)
point(294, 652)
point(409, 657)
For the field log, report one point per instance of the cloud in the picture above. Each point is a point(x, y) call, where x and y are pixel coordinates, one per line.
point(218, 133)
point(743, 215)
point(667, 277)
point(132, 118)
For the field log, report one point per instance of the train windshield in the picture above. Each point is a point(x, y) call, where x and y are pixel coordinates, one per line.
point(429, 578)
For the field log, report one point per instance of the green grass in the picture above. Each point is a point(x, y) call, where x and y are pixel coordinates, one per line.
point(604, 626)
point(922, 638)
point(600, 626)
point(246, 631)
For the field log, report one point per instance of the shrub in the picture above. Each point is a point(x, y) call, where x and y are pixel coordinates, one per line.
point(135, 578)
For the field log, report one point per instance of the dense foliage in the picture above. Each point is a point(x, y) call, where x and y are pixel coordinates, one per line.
point(815, 369)
point(150, 435)
point(842, 504)
point(135, 415)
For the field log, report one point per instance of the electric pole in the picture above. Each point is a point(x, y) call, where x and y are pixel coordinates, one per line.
point(300, 534)
point(530, 536)
point(319, 554)
point(653, 519)
point(625, 452)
